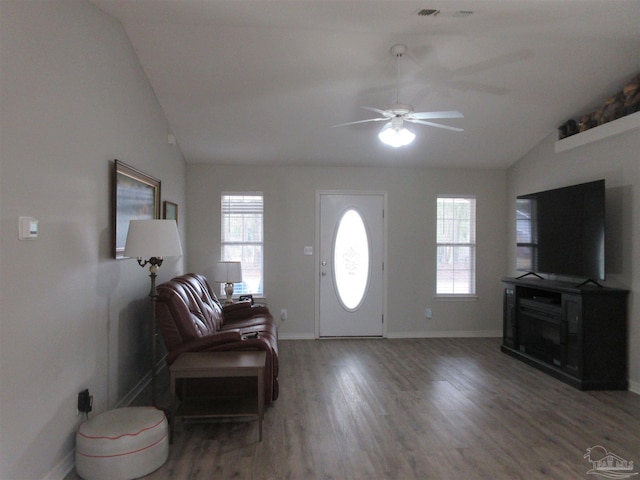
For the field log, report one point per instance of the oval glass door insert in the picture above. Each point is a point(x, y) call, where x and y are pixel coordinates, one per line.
point(351, 260)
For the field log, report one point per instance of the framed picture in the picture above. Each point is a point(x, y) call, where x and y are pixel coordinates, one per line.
point(170, 211)
point(136, 196)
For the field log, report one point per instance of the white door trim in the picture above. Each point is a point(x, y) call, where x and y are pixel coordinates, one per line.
point(316, 257)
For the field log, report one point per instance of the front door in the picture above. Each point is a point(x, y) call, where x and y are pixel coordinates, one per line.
point(351, 269)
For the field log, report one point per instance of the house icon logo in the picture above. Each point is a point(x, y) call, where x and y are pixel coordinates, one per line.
point(608, 464)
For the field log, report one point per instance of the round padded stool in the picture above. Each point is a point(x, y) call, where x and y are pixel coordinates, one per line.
point(122, 444)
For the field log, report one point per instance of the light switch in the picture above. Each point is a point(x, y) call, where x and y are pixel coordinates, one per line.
point(27, 228)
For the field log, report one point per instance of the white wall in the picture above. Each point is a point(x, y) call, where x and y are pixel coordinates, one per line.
point(617, 160)
point(290, 196)
point(73, 98)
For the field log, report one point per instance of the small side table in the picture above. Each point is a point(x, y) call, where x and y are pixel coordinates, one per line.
point(218, 365)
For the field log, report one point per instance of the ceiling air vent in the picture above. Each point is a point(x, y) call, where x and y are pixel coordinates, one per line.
point(428, 12)
point(432, 12)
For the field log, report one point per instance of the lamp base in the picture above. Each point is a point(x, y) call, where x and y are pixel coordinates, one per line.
point(228, 289)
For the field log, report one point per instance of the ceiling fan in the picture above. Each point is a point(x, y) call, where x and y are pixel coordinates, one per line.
point(394, 133)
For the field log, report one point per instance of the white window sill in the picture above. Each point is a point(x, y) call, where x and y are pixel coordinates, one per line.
point(456, 298)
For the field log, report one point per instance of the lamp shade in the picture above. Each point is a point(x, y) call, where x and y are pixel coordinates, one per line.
point(153, 238)
point(228, 272)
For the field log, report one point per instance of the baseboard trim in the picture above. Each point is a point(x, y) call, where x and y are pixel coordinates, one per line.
point(296, 336)
point(62, 469)
point(634, 387)
point(435, 334)
point(447, 334)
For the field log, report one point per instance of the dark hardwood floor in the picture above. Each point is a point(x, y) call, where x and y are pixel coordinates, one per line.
point(411, 409)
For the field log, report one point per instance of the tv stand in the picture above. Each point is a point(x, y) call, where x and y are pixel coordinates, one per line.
point(577, 334)
point(588, 281)
point(529, 273)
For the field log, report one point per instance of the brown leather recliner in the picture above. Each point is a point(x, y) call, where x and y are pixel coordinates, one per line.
point(191, 319)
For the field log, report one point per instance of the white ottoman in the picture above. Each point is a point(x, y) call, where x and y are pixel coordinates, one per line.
point(122, 444)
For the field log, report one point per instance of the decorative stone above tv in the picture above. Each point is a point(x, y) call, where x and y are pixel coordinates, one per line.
point(623, 103)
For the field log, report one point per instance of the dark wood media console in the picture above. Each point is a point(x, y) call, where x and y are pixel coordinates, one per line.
point(576, 334)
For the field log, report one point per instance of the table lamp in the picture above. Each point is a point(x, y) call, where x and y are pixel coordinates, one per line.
point(228, 273)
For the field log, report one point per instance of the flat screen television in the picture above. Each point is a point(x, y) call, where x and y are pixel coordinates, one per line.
point(562, 231)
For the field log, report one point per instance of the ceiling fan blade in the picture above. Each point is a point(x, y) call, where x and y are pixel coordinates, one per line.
point(495, 62)
point(422, 122)
point(386, 113)
point(361, 121)
point(465, 86)
point(430, 115)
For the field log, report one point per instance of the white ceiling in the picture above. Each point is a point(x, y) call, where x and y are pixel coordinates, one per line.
point(263, 81)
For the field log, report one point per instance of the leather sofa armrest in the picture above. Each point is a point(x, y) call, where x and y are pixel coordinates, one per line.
point(235, 307)
point(202, 344)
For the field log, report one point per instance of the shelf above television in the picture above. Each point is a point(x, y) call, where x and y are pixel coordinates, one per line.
point(600, 132)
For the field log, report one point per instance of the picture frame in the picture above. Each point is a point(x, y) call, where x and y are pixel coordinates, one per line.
point(170, 211)
point(136, 196)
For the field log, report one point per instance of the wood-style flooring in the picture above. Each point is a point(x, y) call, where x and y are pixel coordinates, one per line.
point(411, 409)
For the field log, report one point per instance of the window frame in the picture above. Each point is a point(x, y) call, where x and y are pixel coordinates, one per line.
point(527, 247)
point(224, 243)
point(472, 245)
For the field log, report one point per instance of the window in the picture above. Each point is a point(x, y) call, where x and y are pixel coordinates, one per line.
point(351, 260)
point(456, 246)
point(242, 239)
point(526, 235)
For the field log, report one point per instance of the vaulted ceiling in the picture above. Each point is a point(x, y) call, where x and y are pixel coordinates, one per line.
point(263, 81)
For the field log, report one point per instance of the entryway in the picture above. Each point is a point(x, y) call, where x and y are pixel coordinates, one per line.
point(351, 238)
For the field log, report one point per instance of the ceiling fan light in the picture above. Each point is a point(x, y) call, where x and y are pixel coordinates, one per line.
point(396, 137)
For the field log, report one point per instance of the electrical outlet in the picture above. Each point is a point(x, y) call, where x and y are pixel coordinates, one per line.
point(428, 313)
point(283, 314)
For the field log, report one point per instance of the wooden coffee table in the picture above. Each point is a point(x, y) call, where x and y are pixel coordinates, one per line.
point(218, 365)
